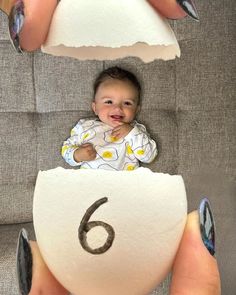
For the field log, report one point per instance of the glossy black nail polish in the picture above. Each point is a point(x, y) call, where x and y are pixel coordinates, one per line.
point(24, 263)
point(189, 7)
point(16, 22)
point(207, 226)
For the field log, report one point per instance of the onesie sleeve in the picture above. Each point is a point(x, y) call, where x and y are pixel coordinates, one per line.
point(71, 144)
point(141, 144)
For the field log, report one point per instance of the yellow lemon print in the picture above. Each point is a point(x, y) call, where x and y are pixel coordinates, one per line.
point(129, 150)
point(107, 155)
point(113, 138)
point(130, 167)
point(140, 152)
point(85, 136)
point(64, 149)
point(108, 137)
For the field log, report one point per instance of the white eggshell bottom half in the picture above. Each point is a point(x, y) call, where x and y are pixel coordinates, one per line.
point(146, 210)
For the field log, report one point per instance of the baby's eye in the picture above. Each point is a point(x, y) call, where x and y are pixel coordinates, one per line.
point(128, 103)
point(108, 101)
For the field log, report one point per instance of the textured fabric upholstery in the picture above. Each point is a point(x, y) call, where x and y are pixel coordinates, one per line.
point(188, 106)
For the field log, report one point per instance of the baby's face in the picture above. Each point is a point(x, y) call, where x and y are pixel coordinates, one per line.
point(116, 102)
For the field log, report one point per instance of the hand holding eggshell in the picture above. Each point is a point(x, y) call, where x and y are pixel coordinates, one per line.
point(29, 21)
point(194, 270)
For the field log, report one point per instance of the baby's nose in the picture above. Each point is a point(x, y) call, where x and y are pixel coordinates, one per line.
point(118, 106)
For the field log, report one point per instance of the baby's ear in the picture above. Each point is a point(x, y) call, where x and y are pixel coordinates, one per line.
point(94, 107)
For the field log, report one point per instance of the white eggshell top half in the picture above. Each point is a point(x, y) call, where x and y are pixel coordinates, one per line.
point(110, 29)
point(146, 210)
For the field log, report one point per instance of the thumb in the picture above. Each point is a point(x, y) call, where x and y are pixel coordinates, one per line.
point(195, 270)
point(86, 144)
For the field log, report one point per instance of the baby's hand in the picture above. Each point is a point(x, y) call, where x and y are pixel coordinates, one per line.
point(121, 130)
point(86, 152)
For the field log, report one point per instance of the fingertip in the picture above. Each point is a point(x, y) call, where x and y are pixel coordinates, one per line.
point(193, 233)
point(38, 16)
point(195, 270)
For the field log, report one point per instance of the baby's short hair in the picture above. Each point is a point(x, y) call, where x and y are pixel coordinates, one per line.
point(119, 74)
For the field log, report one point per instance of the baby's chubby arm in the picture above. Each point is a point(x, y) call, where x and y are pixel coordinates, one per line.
point(85, 152)
point(141, 144)
point(74, 151)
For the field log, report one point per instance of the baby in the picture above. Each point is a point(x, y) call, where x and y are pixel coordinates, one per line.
point(113, 141)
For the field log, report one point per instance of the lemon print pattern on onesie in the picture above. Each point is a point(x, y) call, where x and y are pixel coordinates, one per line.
point(107, 154)
point(112, 153)
point(129, 153)
point(112, 139)
point(88, 135)
point(140, 152)
point(129, 150)
point(130, 166)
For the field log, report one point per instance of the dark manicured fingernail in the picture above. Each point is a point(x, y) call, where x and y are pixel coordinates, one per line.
point(189, 7)
point(16, 22)
point(24, 263)
point(207, 226)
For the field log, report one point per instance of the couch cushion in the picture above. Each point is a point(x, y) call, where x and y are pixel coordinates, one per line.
point(18, 167)
point(63, 84)
point(201, 78)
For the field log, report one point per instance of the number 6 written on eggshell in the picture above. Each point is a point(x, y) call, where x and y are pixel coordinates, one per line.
point(86, 226)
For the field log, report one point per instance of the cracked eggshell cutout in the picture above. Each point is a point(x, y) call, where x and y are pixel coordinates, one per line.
point(109, 232)
point(110, 29)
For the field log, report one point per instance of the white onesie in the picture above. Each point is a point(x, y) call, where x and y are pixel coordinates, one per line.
point(112, 154)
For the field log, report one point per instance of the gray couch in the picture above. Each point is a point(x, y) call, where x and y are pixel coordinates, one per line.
point(189, 107)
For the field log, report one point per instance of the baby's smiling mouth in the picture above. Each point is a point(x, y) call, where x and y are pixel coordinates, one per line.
point(117, 117)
